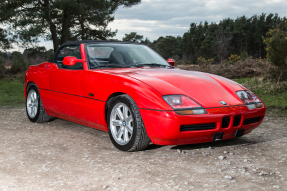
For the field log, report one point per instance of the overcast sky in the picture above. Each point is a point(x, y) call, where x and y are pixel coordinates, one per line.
point(155, 18)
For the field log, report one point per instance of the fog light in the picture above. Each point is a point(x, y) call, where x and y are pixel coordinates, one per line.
point(256, 105)
point(259, 105)
point(251, 106)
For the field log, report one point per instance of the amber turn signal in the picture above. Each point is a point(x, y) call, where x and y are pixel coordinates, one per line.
point(185, 112)
point(191, 112)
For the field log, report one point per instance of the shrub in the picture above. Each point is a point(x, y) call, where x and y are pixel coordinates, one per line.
point(2, 69)
point(18, 64)
point(233, 58)
point(243, 55)
point(179, 62)
point(249, 68)
point(276, 46)
point(201, 60)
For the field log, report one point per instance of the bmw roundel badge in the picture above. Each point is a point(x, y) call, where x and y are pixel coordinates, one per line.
point(223, 102)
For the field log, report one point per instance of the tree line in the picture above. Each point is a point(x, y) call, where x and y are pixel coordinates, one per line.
point(28, 21)
point(242, 36)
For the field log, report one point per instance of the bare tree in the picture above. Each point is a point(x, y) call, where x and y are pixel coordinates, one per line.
point(221, 46)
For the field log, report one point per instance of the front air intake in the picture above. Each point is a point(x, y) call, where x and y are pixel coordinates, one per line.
point(237, 120)
point(225, 122)
point(252, 120)
point(198, 127)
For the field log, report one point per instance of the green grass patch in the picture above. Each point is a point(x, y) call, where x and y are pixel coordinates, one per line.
point(273, 95)
point(12, 92)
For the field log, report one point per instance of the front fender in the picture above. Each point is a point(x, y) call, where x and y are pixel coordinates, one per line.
point(103, 85)
point(39, 75)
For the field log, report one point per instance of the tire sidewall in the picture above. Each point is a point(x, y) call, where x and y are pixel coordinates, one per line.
point(130, 144)
point(38, 109)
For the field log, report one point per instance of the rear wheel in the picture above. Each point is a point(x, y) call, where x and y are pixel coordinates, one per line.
point(126, 128)
point(34, 107)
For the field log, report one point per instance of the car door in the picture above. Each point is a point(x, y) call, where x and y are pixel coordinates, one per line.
point(64, 81)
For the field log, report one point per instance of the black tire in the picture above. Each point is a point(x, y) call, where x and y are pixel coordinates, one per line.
point(139, 139)
point(41, 115)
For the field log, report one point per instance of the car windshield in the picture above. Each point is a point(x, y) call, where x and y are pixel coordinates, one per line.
point(123, 56)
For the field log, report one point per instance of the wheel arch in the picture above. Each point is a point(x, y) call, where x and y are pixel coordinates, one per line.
point(109, 101)
point(31, 83)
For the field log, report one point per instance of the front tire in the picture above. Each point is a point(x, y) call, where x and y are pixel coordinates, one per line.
point(34, 107)
point(125, 125)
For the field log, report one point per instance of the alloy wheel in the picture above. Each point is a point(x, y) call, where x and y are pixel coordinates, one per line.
point(121, 123)
point(32, 103)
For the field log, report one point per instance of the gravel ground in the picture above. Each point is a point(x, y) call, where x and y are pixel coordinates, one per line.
point(62, 155)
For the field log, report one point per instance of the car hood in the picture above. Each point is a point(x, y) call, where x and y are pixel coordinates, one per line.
point(206, 89)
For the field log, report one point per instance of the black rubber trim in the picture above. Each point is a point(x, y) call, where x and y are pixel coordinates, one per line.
point(72, 94)
point(198, 127)
point(218, 136)
point(252, 120)
point(239, 133)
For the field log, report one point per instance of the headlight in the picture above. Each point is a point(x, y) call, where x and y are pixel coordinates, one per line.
point(250, 100)
point(183, 105)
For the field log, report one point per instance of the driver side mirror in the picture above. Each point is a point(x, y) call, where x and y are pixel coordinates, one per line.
point(71, 61)
point(171, 61)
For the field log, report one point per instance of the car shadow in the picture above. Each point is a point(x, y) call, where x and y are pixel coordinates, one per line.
point(153, 147)
point(218, 144)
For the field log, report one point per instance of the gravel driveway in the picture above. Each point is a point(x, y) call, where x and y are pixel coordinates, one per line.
point(62, 155)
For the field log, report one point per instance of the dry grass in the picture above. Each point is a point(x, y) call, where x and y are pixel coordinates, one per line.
point(242, 69)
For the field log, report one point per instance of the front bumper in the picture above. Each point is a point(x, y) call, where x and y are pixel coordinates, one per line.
point(163, 127)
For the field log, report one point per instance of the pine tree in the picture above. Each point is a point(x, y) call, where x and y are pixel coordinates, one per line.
point(18, 63)
point(169, 46)
point(61, 20)
point(4, 42)
point(133, 37)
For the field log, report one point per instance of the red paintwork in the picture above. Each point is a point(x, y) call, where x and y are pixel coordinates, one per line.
point(65, 94)
point(171, 61)
point(165, 127)
point(71, 61)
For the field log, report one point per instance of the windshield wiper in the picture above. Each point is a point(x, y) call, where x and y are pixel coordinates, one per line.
point(152, 65)
point(134, 65)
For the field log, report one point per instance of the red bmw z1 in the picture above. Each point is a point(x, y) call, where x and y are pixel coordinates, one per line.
point(129, 91)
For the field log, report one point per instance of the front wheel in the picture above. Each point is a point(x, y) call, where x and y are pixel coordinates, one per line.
point(126, 128)
point(34, 107)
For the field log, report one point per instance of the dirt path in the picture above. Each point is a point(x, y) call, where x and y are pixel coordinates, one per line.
point(61, 155)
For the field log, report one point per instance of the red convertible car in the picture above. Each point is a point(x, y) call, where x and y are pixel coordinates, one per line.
point(129, 91)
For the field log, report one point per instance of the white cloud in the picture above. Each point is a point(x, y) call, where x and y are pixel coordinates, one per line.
point(174, 17)
point(155, 18)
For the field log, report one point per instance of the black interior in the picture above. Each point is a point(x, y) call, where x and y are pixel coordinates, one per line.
point(78, 65)
point(116, 58)
point(72, 51)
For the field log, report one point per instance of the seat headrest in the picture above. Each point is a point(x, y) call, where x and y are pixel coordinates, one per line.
point(116, 58)
point(75, 54)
